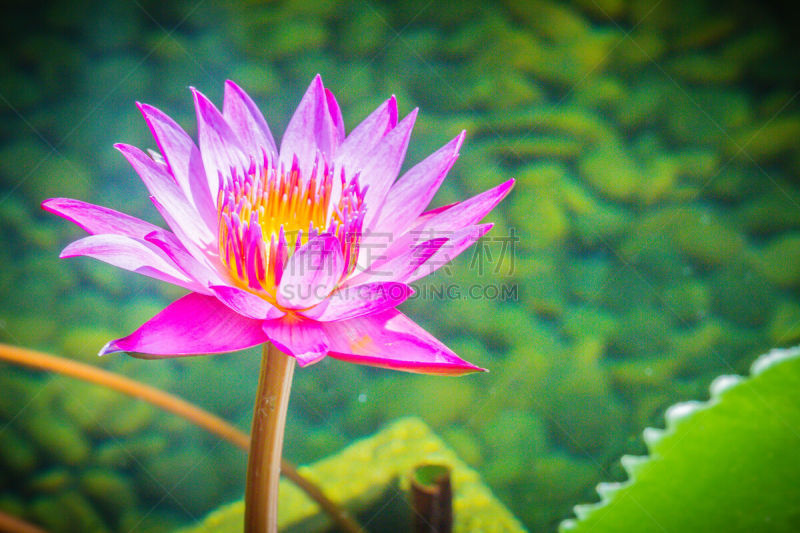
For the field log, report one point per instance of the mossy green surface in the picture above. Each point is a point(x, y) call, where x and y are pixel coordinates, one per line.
point(367, 470)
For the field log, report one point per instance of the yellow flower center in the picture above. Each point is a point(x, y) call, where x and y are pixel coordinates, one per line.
point(267, 213)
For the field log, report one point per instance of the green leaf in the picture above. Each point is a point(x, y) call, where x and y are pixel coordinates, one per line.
point(729, 464)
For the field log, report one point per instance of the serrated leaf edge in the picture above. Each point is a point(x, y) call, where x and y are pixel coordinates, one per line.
point(673, 416)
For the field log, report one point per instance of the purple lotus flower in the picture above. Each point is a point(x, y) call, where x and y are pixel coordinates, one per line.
point(310, 247)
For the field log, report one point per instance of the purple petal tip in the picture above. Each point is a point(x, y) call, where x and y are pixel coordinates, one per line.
point(110, 347)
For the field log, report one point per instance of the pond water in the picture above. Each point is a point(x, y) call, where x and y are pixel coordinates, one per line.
point(652, 241)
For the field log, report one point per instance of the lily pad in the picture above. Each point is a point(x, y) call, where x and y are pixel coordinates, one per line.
point(729, 464)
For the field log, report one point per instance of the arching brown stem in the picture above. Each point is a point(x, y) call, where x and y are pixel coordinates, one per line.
point(12, 524)
point(173, 404)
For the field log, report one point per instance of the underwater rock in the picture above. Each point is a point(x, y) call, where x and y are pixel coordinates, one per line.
point(742, 295)
point(689, 300)
point(559, 477)
point(67, 511)
point(521, 431)
point(366, 31)
point(658, 177)
point(108, 490)
point(703, 116)
point(778, 260)
point(587, 321)
point(261, 79)
point(504, 90)
point(770, 213)
point(601, 92)
point(51, 481)
point(611, 170)
point(82, 342)
point(705, 32)
point(702, 236)
point(698, 164)
point(578, 406)
point(26, 330)
point(585, 279)
point(763, 142)
point(698, 341)
point(464, 443)
point(633, 378)
point(58, 438)
point(704, 68)
point(641, 331)
point(123, 453)
point(650, 46)
point(186, 474)
point(550, 20)
point(15, 454)
point(87, 406)
point(543, 219)
point(784, 325)
point(423, 396)
point(567, 120)
point(293, 37)
point(602, 10)
point(128, 418)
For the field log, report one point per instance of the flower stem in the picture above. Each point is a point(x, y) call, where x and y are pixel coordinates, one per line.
point(168, 402)
point(266, 441)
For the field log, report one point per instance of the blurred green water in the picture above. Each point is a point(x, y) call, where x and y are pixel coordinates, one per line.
point(657, 211)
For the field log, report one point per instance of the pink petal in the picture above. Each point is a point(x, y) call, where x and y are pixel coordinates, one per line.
point(383, 164)
point(179, 214)
point(366, 136)
point(412, 193)
point(247, 122)
point(465, 213)
point(245, 303)
point(403, 259)
point(459, 241)
point(336, 115)
point(311, 273)
point(204, 274)
point(358, 300)
point(391, 340)
point(219, 146)
point(96, 219)
point(303, 339)
point(130, 254)
point(193, 325)
point(311, 129)
point(183, 160)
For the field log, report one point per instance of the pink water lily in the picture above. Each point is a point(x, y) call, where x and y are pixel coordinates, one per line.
point(310, 247)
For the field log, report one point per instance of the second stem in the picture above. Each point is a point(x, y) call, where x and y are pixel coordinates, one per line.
point(266, 441)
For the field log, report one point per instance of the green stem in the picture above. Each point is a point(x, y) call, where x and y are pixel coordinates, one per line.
point(266, 441)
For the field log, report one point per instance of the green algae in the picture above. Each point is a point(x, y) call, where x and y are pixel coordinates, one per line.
point(365, 470)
